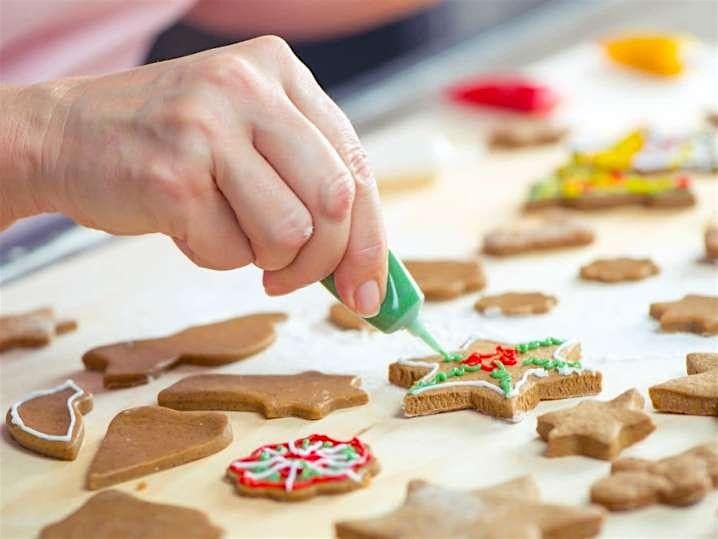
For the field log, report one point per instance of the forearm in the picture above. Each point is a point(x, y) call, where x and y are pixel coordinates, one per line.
point(309, 19)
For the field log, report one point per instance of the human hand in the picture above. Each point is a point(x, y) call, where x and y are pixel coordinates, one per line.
point(236, 153)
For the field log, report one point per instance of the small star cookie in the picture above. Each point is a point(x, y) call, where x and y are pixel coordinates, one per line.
point(680, 480)
point(517, 303)
point(697, 314)
point(32, 329)
point(446, 279)
point(598, 429)
point(511, 509)
point(695, 394)
point(309, 395)
point(613, 270)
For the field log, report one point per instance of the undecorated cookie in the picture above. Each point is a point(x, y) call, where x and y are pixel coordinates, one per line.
point(695, 394)
point(112, 514)
point(681, 480)
point(446, 279)
point(511, 137)
point(134, 363)
point(693, 313)
point(32, 329)
point(49, 421)
point(344, 318)
point(148, 439)
point(496, 379)
point(614, 270)
point(304, 468)
point(309, 395)
point(516, 303)
point(598, 429)
point(507, 510)
point(711, 242)
point(546, 235)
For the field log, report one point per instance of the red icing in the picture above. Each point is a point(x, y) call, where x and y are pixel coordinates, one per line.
point(507, 356)
point(241, 477)
point(683, 182)
point(512, 93)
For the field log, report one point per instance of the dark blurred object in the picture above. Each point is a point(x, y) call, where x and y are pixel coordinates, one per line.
point(336, 62)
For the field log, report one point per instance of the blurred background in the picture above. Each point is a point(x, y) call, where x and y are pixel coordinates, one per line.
point(387, 79)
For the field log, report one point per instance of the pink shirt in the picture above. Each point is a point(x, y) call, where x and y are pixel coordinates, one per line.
point(48, 39)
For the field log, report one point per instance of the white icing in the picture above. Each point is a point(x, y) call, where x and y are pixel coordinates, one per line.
point(17, 420)
point(561, 353)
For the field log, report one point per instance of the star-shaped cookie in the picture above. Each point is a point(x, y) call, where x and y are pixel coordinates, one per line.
point(309, 395)
point(446, 279)
point(32, 329)
point(134, 363)
point(598, 429)
point(680, 480)
point(494, 378)
point(511, 509)
point(695, 394)
point(697, 314)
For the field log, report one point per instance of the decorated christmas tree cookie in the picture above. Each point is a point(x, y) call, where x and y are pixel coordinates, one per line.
point(304, 468)
point(494, 378)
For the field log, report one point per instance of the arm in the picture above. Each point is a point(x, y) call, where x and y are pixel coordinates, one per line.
point(300, 19)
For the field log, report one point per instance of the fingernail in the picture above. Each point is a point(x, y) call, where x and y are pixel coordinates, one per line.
point(366, 299)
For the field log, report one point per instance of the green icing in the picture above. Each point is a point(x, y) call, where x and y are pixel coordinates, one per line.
point(551, 364)
point(504, 377)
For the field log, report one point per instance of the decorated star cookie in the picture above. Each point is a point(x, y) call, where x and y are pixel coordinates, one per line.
point(344, 318)
point(32, 329)
point(546, 235)
point(134, 363)
point(516, 303)
point(695, 394)
point(446, 279)
point(681, 480)
point(310, 395)
point(304, 468)
point(598, 429)
point(507, 510)
point(613, 270)
point(112, 514)
point(49, 421)
point(697, 314)
point(710, 239)
point(497, 379)
point(144, 440)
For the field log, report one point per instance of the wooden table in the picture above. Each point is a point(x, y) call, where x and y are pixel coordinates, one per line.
point(140, 287)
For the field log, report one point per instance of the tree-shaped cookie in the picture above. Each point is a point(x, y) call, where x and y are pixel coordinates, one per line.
point(112, 514)
point(49, 421)
point(310, 395)
point(695, 394)
point(144, 440)
point(494, 378)
point(598, 429)
point(697, 314)
point(680, 480)
point(133, 363)
point(507, 510)
point(32, 329)
point(304, 468)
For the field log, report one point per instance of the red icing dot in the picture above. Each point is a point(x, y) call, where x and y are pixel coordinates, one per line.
point(507, 356)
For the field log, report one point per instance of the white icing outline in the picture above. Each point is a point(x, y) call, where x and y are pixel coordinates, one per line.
point(540, 372)
point(17, 420)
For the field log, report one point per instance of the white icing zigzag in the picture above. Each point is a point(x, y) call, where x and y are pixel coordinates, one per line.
point(17, 420)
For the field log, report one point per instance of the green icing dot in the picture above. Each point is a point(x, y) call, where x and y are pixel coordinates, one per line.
point(440, 377)
point(327, 444)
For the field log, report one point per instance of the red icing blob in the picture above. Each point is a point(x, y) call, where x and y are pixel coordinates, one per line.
point(507, 356)
point(513, 93)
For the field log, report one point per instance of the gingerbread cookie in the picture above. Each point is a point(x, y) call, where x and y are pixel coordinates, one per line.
point(548, 234)
point(598, 429)
point(508, 510)
point(510, 137)
point(497, 379)
point(112, 514)
point(516, 303)
point(697, 314)
point(710, 239)
point(304, 468)
point(148, 439)
point(613, 270)
point(344, 318)
point(695, 394)
point(134, 363)
point(49, 421)
point(32, 329)
point(309, 395)
point(446, 279)
point(681, 480)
